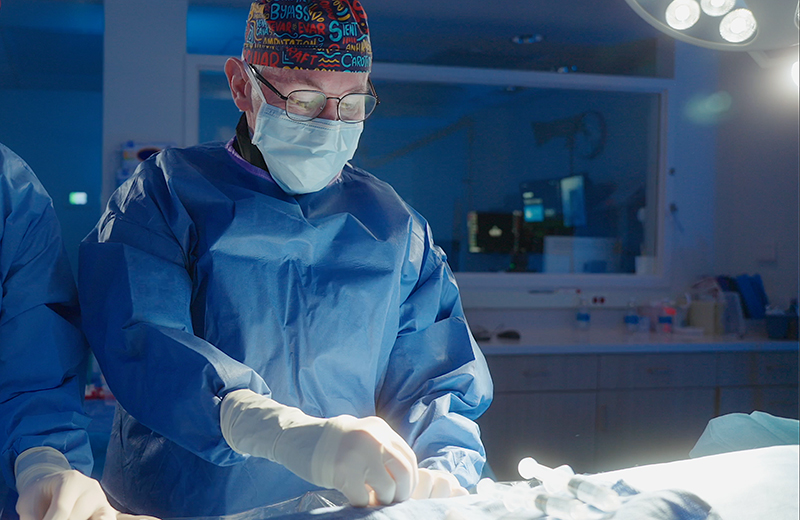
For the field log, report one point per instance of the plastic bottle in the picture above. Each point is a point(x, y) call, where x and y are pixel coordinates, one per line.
point(666, 318)
point(632, 316)
point(583, 318)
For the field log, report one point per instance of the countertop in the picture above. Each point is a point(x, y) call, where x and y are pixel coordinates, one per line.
point(557, 341)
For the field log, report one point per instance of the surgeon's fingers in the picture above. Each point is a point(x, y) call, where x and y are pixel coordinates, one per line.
point(125, 516)
point(424, 485)
point(373, 500)
point(449, 486)
point(382, 482)
point(403, 473)
point(64, 491)
point(408, 455)
point(460, 491)
point(92, 505)
point(441, 487)
point(104, 513)
point(79, 498)
point(27, 510)
point(438, 484)
point(356, 493)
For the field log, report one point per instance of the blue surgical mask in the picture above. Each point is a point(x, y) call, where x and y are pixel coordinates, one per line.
point(302, 157)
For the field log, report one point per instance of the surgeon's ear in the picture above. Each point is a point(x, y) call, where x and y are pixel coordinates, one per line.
point(239, 84)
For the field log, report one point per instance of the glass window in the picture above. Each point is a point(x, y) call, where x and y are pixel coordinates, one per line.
point(560, 176)
point(542, 180)
point(218, 115)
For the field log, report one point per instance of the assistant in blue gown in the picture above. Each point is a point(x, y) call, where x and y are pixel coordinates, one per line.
point(42, 352)
point(204, 277)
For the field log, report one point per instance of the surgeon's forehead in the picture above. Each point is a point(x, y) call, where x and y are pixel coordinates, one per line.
point(330, 82)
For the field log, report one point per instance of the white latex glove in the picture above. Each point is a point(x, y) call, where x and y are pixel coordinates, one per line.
point(363, 458)
point(49, 489)
point(434, 483)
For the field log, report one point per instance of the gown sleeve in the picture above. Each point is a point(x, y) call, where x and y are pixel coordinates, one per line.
point(42, 352)
point(136, 292)
point(437, 382)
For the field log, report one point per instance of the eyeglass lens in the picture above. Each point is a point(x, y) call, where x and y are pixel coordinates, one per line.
point(304, 105)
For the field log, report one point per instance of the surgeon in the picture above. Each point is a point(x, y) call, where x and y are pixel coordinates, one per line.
point(272, 319)
point(45, 453)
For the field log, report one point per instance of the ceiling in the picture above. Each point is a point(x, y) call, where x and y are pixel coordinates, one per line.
point(62, 48)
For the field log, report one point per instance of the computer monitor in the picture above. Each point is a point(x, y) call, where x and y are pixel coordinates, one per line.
point(490, 232)
point(573, 201)
point(550, 207)
point(541, 200)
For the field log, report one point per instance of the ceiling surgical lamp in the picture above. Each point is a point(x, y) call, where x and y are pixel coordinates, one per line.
point(764, 28)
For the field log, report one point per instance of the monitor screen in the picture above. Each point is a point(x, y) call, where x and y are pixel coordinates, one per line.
point(541, 200)
point(551, 207)
point(490, 232)
point(573, 201)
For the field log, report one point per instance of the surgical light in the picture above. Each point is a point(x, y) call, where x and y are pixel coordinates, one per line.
point(717, 7)
point(682, 14)
point(755, 26)
point(738, 26)
point(795, 74)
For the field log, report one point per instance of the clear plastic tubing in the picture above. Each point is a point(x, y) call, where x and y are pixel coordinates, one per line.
point(597, 495)
point(564, 508)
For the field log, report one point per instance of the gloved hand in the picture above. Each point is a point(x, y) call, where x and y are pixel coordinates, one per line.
point(354, 456)
point(434, 483)
point(49, 488)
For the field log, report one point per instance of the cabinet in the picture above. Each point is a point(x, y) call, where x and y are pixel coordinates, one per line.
point(598, 412)
point(646, 426)
point(652, 407)
point(544, 407)
point(553, 427)
point(764, 381)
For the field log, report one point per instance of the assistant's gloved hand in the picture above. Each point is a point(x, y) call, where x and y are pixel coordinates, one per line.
point(434, 483)
point(49, 488)
point(354, 456)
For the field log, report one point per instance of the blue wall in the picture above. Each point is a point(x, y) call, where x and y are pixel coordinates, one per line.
point(757, 187)
point(59, 134)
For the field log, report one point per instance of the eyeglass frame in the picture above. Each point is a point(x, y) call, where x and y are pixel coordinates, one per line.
point(269, 85)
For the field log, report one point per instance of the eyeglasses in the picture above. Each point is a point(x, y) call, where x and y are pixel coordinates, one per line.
point(305, 105)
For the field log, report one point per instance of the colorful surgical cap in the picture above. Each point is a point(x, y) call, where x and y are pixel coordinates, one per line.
point(308, 34)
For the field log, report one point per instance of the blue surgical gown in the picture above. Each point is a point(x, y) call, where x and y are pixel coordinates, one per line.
point(203, 277)
point(42, 352)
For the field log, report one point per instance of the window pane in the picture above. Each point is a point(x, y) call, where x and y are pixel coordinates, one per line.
point(218, 114)
point(537, 180)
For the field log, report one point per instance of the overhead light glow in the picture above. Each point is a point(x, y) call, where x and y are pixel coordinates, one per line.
point(738, 26)
point(717, 7)
point(797, 16)
point(795, 74)
point(682, 14)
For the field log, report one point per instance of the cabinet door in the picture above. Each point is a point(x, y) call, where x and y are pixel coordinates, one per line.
point(758, 368)
point(555, 428)
point(646, 426)
point(619, 371)
point(781, 401)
